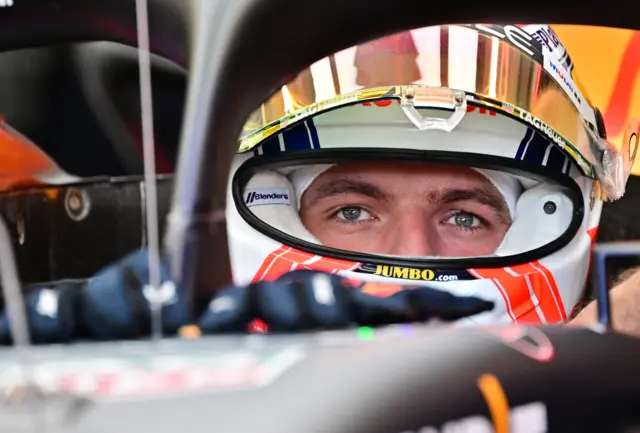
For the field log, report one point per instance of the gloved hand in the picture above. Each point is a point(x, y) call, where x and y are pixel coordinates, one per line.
point(52, 313)
point(309, 300)
point(115, 304)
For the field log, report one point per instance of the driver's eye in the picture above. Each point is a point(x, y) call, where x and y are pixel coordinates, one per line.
point(465, 220)
point(353, 213)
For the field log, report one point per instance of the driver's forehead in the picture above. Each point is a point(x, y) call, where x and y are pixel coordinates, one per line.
point(403, 177)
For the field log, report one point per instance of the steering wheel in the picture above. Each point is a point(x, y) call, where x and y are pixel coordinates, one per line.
point(47, 22)
point(109, 78)
point(32, 23)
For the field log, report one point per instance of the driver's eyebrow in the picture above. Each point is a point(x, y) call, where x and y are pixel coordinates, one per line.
point(339, 187)
point(481, 195)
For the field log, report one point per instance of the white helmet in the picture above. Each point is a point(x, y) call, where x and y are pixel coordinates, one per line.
point(500, 99)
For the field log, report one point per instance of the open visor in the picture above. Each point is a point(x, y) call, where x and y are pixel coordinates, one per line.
point(354, 204)
point(500, 68)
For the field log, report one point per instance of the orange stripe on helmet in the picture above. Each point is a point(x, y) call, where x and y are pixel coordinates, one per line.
point(272, 267)
point(545, 289)
point(489, 275)
point(330, 265)
point(553, 287)
point(531, 292)
point(514, 291)
point(286, 259)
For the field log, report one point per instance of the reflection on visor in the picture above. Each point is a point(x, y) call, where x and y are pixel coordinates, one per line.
point(481, 62)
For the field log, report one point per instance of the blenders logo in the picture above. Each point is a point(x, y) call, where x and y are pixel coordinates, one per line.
point(566, 80)
point(264, 196)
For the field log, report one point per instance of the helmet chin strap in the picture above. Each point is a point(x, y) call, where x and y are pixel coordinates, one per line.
point(148, 145)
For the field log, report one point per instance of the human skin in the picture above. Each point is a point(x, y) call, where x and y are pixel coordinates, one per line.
point(624, 304)
point(407, 209)
point(390, 215)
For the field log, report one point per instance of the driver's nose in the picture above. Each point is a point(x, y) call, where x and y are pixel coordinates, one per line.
point(413, 235)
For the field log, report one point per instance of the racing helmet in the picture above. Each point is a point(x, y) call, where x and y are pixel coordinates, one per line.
point(501, 100)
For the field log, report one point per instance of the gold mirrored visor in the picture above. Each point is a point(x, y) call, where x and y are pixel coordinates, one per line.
point(490, 71)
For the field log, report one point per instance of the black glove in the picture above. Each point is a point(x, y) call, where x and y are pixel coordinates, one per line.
point(52, 313)
point(308, 300)
point(115, 304)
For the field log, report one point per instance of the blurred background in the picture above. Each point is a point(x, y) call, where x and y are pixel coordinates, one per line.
point(608, 63)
